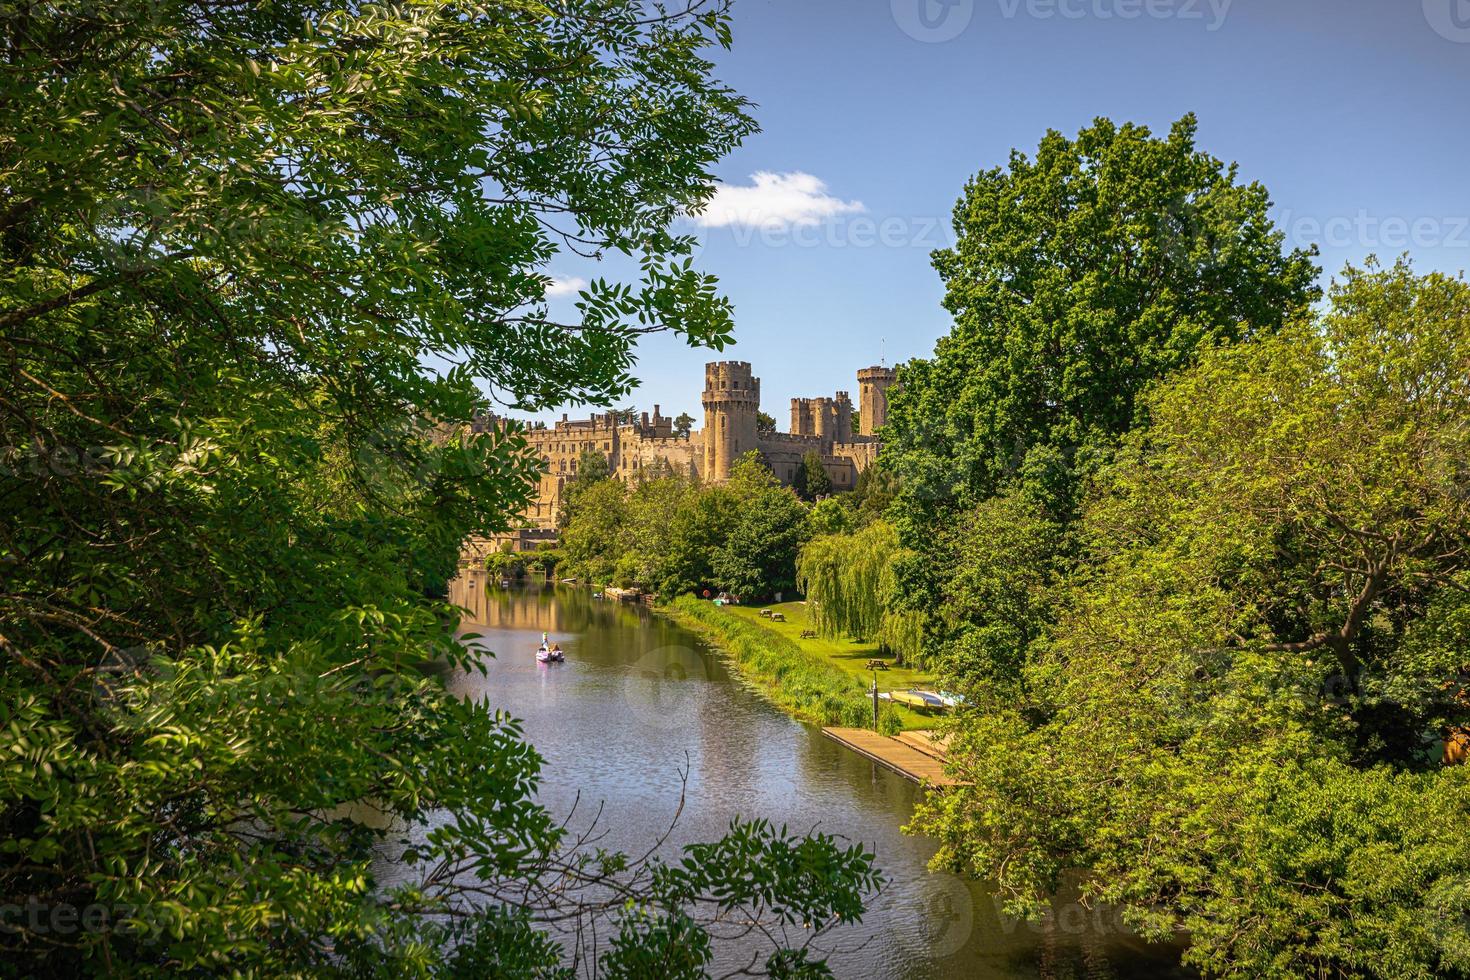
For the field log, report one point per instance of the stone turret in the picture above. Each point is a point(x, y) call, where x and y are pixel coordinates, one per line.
point(873, 383)
point(801, 416)
point(843, 406)
point(732, 398)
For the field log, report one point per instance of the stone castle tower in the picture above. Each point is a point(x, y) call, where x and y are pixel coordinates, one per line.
point(873, 383)
point(732, 398)
point(827, 419)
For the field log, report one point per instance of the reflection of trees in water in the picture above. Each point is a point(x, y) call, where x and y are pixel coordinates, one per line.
point(643, 681)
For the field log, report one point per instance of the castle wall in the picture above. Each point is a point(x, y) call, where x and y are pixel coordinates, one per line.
point(647, 447)
point(649, 457)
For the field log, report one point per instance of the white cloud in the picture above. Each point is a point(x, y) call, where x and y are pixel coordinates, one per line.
point(774, 200)
point(566, 286)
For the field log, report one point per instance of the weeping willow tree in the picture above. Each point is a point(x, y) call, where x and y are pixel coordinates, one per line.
point(849, 581)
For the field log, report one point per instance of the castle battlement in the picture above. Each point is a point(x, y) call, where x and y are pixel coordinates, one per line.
point(646, 446)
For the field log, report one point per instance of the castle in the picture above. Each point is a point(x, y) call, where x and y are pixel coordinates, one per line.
point(649, 445)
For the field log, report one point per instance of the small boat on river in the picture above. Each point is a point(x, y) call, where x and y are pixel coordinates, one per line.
point(549, 652)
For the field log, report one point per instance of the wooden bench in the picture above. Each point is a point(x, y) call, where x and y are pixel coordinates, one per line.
point(877, 665)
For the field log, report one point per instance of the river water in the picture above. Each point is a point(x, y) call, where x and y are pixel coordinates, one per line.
point(640, 701)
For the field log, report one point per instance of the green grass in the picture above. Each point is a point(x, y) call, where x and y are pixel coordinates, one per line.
point(818, 680)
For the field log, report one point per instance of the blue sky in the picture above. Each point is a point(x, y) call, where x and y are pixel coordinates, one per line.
point(1354, 113)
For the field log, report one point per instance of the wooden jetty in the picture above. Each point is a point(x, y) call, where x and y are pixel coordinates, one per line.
point(898, 754)
point(925, 742)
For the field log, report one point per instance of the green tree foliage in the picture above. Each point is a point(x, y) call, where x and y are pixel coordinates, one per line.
point(811, 480)
point(873, 493)
point(235, 237)
point(757, 558)
point(848, 580)
point(699, 527)
point(1008, 555)
point(591, 469)
point(831, 515)
point(765, 422)
point(684, 424)
point(1078, 277)
point(1235, 724)
point(851, 587)
point(673, 536)
point(593, 539)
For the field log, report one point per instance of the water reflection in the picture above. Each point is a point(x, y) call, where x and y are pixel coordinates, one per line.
point(641, 703)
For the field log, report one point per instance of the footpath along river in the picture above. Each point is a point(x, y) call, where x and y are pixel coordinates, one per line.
point(640, 699)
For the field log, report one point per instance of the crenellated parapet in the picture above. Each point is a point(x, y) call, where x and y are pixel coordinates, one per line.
point(644, 445)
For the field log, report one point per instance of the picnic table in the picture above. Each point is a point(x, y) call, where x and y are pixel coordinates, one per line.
point(778, 617)
point(877, 665)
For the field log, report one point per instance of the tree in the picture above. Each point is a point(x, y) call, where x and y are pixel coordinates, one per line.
point(591, 469)
point(831, 515)
point(261, 264)
point(874, 492)
point(811, 480)
point(651, 526)
point(683, 424)
point(1077, 278)
point(698, 530)
point(848, 580)
point(595, 539)
point(1007, 559)
point(757, 558)
point(1236, 722)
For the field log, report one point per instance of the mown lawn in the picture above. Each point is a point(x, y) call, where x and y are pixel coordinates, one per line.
point(849, 656)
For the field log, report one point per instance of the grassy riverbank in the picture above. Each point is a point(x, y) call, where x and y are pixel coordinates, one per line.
point(819, 681)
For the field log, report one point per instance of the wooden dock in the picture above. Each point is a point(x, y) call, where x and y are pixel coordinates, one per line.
point(898, 754)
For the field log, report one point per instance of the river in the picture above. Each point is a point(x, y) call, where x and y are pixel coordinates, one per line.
point(641, 700)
